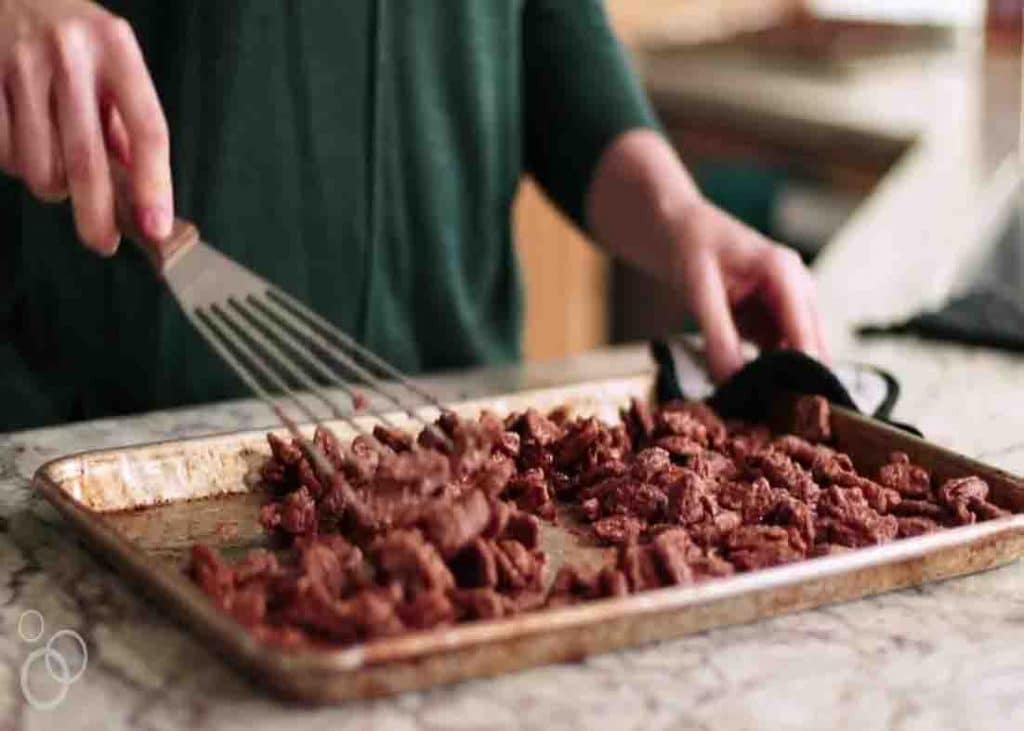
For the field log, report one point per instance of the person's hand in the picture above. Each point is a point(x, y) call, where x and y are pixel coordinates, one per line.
point(643, 206)
point(76, 92)
point(738, 283)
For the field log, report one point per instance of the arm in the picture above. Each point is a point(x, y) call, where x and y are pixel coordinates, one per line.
point(75, 86)
point(591, 141)
point(644, 207)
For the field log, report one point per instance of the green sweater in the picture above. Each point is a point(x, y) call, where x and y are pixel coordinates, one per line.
point(363, 155)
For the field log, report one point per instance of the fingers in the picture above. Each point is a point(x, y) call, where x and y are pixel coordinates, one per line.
point(116, 136)
point(6, 150)
point(29, 81)
point(788, 293)
point(710, 304)
point(136, 100)
point(82, 142)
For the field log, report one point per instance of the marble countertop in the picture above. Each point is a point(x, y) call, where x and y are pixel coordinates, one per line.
point(944, 655)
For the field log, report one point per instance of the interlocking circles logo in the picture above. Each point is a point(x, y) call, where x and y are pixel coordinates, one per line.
point(60, 669)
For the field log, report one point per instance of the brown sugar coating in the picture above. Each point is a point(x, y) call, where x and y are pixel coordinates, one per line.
point(418, 532)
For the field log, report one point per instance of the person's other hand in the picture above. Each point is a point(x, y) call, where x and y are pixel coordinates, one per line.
point(76, 91)
point(738, 283)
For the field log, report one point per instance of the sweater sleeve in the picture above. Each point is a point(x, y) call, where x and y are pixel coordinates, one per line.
point(579, 94)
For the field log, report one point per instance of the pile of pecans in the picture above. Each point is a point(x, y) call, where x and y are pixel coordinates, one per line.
point(414, 533)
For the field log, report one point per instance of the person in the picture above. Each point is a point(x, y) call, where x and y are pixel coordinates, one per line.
point(362, 155)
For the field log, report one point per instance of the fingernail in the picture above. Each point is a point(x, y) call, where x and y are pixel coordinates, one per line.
point(156, 222)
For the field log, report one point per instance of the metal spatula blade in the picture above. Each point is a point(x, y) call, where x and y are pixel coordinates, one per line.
point(285, 353)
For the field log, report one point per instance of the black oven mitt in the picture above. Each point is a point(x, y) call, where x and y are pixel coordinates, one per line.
point(750, 393)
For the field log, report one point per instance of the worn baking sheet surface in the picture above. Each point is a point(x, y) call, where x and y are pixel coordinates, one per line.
point(138, 507)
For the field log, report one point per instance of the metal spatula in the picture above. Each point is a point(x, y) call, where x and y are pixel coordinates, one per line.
point(285, 353)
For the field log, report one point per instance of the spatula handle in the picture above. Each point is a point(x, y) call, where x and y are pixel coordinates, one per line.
point(161, 254)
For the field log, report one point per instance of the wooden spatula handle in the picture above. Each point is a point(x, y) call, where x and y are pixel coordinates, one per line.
point(161, 254)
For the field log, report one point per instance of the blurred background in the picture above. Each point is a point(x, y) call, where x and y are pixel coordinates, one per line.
point(804, 118)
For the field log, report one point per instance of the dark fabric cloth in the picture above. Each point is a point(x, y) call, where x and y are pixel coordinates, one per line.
point(363, 155)
point(991, 317)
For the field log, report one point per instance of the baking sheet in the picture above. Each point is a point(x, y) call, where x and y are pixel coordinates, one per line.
point(140, 508)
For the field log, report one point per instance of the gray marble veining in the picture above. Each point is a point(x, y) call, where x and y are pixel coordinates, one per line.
point(942, 656)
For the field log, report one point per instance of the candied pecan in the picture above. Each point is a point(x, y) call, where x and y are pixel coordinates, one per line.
point(574, 580)
point(706, 416)
point(420, 471)
point(789, 512)
point(578, 438)
point(882, 499)
point(366, 615)
point(600, 473)
point(297, 512)
point(638, 499)
point(274, 474)
point(959, 494)
point(863, 529)
point(752, 547)
point(611, 583)
point(360, 464)
point(640, 567)
point(518, 568)
point(493, 477)
point(322, 572)
point(673, 548)
point(712, 531)
point(753, 500)
point(257, 565)
point(478, 604)
point(907, 479)
point(923, 509)
point(638, 421)
point(682, 448)
point(798, 449)
point(508, 443)
point(711, 566)
point(212, 574)
point(286, 453)
point(451, 525)
point(813, 419)
point(618, 529)
point(475, 566)
point(524, 528)
point(690, 500)
point(648, 463)
point(308, 479)
point(426, 610)
point(531, 425)
point(752, 436)
point(916, 525)
point(985, 510)
point(591, 508)
point(534, 456)
point(270, 515)
point(325, 440)
point(782, 473)
point(501, 512)
point(249, 605)
point(713, 465)
point(682, 424)
point(404, 557)
point(529, 491)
